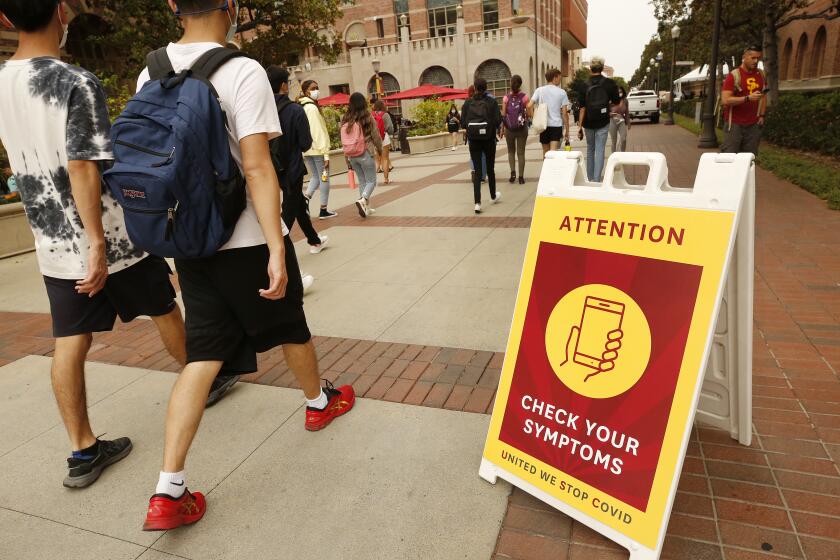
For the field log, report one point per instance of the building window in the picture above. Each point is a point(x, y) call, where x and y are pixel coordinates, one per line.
point(380, 28)
point(442, 17)
point(490, 13)
point(497, 75)
point(437, 76)
point(514, 7)
point(400, 9)
point(818, 54)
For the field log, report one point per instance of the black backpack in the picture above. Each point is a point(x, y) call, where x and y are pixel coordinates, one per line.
point(478, 120)
point(597, 100)
point(281, 151)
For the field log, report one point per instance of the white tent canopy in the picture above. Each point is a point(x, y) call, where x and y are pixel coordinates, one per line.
point(701, 74)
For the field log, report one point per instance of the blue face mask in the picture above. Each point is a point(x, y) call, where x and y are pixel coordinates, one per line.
point(234, 22)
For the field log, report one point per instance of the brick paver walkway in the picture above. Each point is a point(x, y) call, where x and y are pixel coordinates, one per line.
point(780, 498)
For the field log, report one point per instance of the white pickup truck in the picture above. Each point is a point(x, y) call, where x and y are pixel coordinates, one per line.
point(643, 104)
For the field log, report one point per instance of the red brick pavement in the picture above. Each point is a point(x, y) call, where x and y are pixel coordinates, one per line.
point(779, 498)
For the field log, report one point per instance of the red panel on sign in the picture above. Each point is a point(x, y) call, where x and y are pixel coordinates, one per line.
point(611, 442)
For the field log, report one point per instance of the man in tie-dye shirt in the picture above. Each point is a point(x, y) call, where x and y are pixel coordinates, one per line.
point(54, 125)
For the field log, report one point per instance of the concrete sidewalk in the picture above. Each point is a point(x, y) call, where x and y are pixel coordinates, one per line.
point(386, 481)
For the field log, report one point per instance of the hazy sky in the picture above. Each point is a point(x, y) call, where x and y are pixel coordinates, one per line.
point(618, 31)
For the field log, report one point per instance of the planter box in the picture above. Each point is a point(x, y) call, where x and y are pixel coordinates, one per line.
point(15, 235)
point(338, 163)
point(429, 143)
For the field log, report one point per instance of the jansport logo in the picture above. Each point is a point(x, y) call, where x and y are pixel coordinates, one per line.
point(132, 193)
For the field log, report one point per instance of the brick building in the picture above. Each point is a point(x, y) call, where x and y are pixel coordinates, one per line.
point(809, 52)
point(449, 42)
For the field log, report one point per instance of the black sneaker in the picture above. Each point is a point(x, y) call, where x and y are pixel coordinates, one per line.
point(220, 386)
point(85, 470)
point(512, 177)
point(326, 214)
point(522, 180)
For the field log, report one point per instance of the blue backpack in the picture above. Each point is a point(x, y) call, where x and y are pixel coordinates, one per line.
point(173, 172)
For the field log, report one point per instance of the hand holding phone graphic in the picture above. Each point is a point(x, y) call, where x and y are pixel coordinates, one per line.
point(595, 342)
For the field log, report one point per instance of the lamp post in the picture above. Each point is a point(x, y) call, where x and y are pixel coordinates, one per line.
point(659, 57)
point(708, 138)
point(376, 64)
point(675, 34)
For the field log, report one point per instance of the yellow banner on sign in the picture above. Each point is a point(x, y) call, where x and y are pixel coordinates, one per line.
point(609, 333)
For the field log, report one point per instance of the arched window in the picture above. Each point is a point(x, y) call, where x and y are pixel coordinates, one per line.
point(497, 75)
point(436, 75)
point(799, 66)
point(389, 84)
point(818, 54)
point(787, 53)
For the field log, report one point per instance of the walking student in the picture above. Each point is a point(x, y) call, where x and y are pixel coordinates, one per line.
point(744, 104)
point(481, 118)
point(54, 124)
point(361, 141)
point(317, 158)
point(619, 122)
point(453, 125)
point(601, 92)
point(385, 125)
point(515, 126)
point(557, 101)
point(247, 297)
point(286, 153)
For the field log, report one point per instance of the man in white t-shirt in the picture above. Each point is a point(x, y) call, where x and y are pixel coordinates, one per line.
point(555, 98)
point(55, 127)
point(248, 297)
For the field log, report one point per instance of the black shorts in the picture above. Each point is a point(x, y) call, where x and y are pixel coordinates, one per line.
point(453, 127)
point(551, 134)
point(143, 288)
point(227, 320)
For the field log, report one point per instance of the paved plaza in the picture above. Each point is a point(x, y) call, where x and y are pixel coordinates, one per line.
point(413, 306)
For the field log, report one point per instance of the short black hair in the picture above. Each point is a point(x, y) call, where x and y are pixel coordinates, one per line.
point(29, 15)
point(480, 85)
point(756, 48)
point(277, 76)
point(197, 7)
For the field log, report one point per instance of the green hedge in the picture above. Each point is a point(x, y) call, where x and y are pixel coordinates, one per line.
point(808, 122)
point(685, 107)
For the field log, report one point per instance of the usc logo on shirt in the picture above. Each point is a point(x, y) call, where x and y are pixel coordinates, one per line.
point(752, 85)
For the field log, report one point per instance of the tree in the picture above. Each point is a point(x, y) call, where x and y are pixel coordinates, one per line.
point(742, 22)
point(577, 88)
point(272, 31)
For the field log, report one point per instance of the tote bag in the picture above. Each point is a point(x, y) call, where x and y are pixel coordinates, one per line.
point(540, 122)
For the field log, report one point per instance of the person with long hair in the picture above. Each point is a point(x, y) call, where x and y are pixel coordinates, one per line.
point(363, 165)
point(386, 130)
point(317, 158)
point(515, 126)
point(453, 125)
point(470, 94)
point(481, 119)
point(619, 122)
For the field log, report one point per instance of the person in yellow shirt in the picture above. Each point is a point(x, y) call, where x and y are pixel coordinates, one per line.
point(317, 158)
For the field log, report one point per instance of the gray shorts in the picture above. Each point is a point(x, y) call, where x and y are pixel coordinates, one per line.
point(741, 138)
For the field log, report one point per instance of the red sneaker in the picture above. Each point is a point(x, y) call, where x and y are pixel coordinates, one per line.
point(166, 512)
point(339, 402)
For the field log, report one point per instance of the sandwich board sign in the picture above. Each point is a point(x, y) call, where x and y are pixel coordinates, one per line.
point(614, 319)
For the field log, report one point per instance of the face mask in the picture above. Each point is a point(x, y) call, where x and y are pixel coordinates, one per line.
point(65, 28)
point(234, 22)
point(314, 94)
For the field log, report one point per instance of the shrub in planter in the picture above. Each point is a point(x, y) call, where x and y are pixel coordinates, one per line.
point(429, 118)
point(808, 122)
point(333, 117)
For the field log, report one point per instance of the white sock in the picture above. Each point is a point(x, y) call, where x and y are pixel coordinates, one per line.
point(320, 402)
point(172, 484)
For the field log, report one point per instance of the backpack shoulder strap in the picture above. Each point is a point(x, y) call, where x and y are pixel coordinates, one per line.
point(159, 64)
point(736, 80)
point(212, 60)
point(282, 105)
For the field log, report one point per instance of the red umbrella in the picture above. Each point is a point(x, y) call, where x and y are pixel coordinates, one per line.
point(454, 96)
point(336, 99)
point(426, 90)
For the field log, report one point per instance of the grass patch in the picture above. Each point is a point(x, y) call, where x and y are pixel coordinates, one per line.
point(814, 174)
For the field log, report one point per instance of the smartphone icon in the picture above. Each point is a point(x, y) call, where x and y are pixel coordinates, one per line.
point(600, 317)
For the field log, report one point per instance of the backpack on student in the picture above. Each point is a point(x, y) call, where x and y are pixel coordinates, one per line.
point(515, 117)
point(353, 139)
point(173, 172)
point(597, 99)
point(379, 118)
point(736, 88)
point(478, 119)
point(279, 147)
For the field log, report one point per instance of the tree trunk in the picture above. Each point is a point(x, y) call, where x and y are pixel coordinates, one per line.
point(771, 54)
